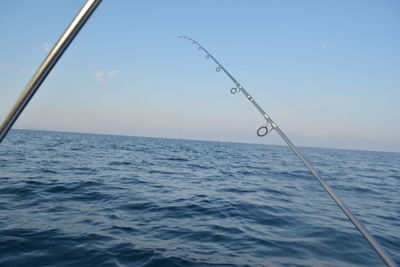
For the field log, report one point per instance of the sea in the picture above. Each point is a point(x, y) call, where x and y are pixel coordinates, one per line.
point(71, 199)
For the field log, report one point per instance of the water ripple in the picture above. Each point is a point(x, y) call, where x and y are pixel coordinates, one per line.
point(96, 200)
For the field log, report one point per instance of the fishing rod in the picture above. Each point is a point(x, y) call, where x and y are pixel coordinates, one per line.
point(271, 125)
point(49, 62)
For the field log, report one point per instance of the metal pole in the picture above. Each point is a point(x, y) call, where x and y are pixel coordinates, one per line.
point(371, 240)
point(47, 65)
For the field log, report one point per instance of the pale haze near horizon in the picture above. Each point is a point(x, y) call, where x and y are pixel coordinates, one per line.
point(327, 72)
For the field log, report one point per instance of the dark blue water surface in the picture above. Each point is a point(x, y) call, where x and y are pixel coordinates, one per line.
point(97, 200)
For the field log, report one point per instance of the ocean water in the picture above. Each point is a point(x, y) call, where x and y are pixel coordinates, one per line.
point(98, 200)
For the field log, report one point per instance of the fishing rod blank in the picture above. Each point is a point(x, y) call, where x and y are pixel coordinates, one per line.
point(47, 65)
point(271, 125)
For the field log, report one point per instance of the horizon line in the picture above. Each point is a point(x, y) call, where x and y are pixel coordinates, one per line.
point(201, 140)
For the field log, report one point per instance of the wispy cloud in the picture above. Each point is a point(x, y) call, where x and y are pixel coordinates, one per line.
point(336, 100)
point(104, 76)
point(126, 113)
point(326, 46)
point(285, 113)
point(12, 67)
point(46, 46)
point(112, 73)
point(7, 67)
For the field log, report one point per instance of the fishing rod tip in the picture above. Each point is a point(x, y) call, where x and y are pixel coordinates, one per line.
point(184, 37)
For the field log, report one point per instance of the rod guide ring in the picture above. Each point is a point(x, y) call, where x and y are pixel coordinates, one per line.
point(262, 131)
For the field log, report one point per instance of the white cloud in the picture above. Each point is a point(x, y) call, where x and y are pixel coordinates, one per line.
point(112, 73)
point(46, 46)
point(104, 76)
point(326, 46)
point(99, 76)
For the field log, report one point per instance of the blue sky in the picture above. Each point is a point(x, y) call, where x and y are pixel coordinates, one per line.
point(328, 72)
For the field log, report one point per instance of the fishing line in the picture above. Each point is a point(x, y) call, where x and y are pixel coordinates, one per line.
point(245, 111)
point(270, 126)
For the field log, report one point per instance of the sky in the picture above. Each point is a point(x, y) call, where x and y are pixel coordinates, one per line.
point(327, 72)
